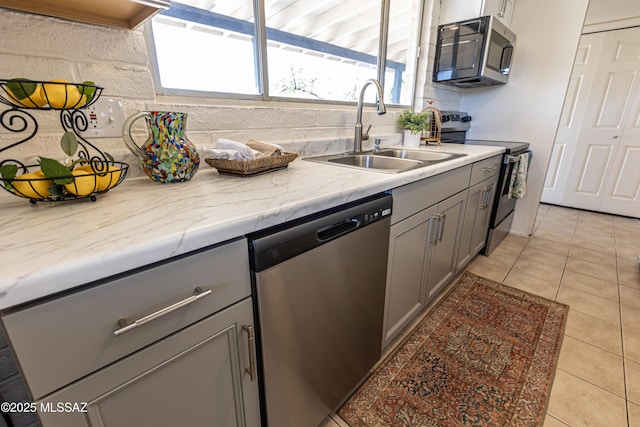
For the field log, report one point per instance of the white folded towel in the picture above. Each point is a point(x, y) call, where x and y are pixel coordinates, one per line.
point(246, 152)
point(266, 148)
point(219, 154)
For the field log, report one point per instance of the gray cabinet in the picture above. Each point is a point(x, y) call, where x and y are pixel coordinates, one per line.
point(196, 377)
point(165, 345)
point(426, 225)
point(407, 261)
point(476, 221)
point(441, 257)
point(438, 225)
point(484, 179)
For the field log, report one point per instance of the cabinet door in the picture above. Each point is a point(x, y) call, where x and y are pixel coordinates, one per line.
point(476, 221)
point(481, 224)
point(444, 243)
point(501, 9)
point(407, 255)
point(196, 377)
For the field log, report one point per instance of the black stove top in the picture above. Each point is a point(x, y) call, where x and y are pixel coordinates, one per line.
point(510, 146)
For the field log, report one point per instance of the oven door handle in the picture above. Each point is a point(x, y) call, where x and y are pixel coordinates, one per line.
point(511, 159)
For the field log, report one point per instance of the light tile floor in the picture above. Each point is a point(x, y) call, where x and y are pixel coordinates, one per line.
point(590, 262)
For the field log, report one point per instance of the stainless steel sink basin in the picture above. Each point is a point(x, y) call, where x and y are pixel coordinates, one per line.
point(368, 161)
point(388, 160)
point(426, 156)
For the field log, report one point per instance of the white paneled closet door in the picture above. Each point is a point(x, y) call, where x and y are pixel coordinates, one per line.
point(575, 103)
point(604, 171)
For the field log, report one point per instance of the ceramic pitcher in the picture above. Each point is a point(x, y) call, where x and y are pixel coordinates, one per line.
point(167, 155)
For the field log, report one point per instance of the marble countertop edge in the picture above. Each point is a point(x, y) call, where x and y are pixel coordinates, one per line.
point(217, 209)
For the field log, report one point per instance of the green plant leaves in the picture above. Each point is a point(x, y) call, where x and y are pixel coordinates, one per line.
point(415, 122)
point(21, 88)
point(55, 171)
point(69, 143)
point(8, 173)
point(87, 88)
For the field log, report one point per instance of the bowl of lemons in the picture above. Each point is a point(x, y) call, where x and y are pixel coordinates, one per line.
point(78, 176)
point(58, 94)
point(46, 182)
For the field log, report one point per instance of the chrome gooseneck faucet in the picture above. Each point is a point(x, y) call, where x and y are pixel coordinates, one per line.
point(381, 109)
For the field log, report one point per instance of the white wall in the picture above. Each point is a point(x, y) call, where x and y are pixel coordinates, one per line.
point(528, 108)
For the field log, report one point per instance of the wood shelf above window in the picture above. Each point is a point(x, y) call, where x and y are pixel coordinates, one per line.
point(116, 13)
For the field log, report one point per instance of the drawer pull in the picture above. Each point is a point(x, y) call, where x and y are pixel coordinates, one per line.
point(251, 338)
point(126, 327)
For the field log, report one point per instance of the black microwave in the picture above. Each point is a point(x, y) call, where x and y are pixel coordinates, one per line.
point(475, 52)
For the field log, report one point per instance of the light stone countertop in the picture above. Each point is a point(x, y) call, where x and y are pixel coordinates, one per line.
point(47, 249)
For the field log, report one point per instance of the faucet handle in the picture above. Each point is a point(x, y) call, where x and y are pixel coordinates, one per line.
point(365, 134)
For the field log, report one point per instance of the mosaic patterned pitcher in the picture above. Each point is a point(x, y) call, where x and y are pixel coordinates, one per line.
point(167, 155)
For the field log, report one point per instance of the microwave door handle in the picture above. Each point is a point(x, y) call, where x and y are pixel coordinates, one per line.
point(504, 66)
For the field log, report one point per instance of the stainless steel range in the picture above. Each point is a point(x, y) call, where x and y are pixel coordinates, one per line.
point(455, 125)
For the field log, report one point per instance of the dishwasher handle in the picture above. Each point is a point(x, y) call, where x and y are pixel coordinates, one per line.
point(325, 234)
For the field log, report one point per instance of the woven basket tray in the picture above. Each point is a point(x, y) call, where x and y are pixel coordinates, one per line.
point(252, 167)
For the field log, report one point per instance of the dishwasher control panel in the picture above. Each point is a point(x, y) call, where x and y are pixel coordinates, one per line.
point(368, 218)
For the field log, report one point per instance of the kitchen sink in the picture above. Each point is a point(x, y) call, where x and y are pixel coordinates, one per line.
point(368, 161)
point(387, 160)
point(425, 156)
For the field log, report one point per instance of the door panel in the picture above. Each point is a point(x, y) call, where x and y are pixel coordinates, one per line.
point(614, 99)
point(442, 263)
point(557, 156)
point(628, 179)
point(407, 256)
point(572, 117)
point(592, 173)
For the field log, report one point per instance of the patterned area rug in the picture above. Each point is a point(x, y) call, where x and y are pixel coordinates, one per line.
point(484, 356)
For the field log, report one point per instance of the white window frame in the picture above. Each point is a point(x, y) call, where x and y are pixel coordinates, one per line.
point(262, 66)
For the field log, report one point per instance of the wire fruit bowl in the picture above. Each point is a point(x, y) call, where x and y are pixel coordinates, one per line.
point(91, 180)
point(48, 95)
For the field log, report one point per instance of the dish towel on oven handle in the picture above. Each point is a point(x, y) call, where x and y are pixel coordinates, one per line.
point(518, 184)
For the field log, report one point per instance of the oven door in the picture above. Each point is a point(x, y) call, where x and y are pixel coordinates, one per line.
point(503, 204)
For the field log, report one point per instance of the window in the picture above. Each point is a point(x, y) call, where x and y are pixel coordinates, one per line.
point(308, 49)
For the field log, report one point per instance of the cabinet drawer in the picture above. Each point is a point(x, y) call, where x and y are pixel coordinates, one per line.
point(485, 169)
point(412, 198)
point(59, 341)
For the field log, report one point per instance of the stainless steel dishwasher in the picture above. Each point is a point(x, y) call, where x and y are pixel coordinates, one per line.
point(319, 286)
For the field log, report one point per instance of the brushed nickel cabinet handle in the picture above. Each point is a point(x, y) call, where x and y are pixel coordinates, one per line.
point(124, 326)
point(443, 217)
point(483, 197)
point(487, 197)
point(503, 9)
point(251, 338)
point(436, 228)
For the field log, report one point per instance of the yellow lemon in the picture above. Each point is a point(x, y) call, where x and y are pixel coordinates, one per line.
point(33, 100)
point(103, 182)
point(62, 94)
point(113, 176)
point(32, 185)
point(84, 183)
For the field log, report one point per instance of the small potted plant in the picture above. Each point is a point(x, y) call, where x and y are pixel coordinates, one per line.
point(413, 124)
